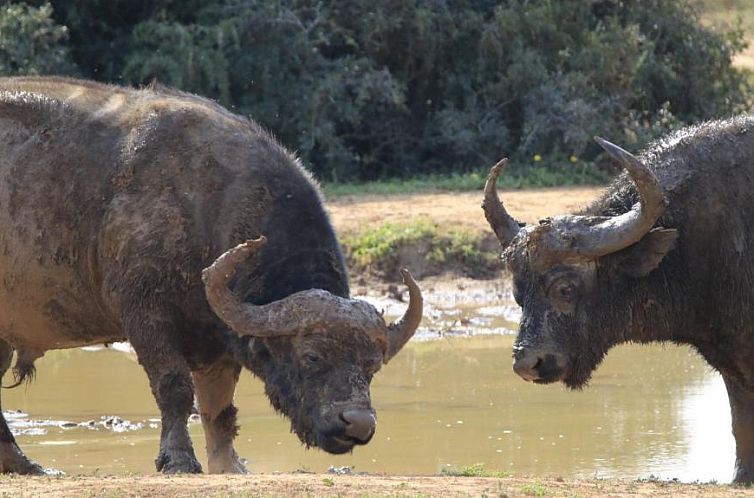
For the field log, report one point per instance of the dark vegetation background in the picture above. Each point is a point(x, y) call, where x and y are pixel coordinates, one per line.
point(367, 89)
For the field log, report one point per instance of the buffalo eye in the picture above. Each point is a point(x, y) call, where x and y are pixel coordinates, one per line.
point(566, 292)
point(563, 290)
point(312, 358)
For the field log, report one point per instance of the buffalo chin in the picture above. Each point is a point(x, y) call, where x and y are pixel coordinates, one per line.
point(576, 382)
point(335, 445)
point(580, 370)
point(551, 377)
point(545, 381)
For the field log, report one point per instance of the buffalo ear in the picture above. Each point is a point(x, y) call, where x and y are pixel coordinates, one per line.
point(641, 258)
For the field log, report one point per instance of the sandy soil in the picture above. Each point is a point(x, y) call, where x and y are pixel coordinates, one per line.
point(321, 485)
point(457, 208)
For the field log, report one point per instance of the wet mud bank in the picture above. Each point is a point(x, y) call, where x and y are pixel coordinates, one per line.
point(22, 425)
point(454, 306)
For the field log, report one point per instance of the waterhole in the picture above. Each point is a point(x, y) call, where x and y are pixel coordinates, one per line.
point(447, 401)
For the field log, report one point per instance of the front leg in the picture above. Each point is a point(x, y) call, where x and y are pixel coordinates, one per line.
point(215, 386)
point(742, 416)
point(154, 338)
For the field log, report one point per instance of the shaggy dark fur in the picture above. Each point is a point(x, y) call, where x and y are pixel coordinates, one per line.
point(690, 280)
point(113, 200)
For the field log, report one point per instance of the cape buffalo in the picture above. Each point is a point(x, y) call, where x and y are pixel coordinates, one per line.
point(666, 254)
point(113, 200)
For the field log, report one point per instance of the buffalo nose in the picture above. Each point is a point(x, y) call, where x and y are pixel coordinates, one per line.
point(360, 424)
point(525, 364)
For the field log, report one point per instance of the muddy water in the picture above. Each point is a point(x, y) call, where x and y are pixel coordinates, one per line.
point(448, 400)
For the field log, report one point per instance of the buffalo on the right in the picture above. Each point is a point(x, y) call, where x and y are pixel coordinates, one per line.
point(666, 254)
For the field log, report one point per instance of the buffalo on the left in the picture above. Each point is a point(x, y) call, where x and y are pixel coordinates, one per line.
point(114, 200)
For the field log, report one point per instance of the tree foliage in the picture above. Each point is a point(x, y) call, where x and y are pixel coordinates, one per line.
point(364, 89)
point(31, 42)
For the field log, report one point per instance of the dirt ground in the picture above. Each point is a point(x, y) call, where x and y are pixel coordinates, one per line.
point(323, 485)
point(456, 208)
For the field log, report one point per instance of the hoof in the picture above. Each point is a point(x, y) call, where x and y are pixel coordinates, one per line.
point(236, 467)
point(178, 462)
point(743, 478)
point(13, 461)
point(743, 474)
point(226, 462)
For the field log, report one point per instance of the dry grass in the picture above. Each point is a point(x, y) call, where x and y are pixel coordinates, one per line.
point(458, 209)
point(320, 485)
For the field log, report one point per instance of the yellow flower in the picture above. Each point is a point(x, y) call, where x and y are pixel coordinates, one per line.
point(537, 158)
point(574, 159)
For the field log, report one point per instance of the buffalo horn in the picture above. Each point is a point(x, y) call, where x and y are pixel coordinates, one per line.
point(226, 304)
point(310, 310)
point(401, 331)
point(621, 231)
point(504, 226)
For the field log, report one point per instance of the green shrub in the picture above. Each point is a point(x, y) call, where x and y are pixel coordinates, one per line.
point(422, 245)
point(189, 57)
point(31, 42)
point(367, 90)
point(375, 246)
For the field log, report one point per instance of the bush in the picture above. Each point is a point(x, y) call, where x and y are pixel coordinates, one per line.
point(368, 90)
point(611, 68)
point(189, 57)
point(31, 42)
point(423, 246)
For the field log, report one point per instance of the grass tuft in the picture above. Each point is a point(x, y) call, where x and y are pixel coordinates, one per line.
point(536, 176)
point(533, 489)
point(475, 470)
point(328, 481)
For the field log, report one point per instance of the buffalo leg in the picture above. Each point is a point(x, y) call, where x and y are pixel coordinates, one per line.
point(742, 416)
point(170, 380)
point(12, 459)
point(215, 386)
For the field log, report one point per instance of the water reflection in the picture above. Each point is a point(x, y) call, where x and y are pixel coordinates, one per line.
point(705, 405)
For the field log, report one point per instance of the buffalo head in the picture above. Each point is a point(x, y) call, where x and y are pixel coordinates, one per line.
point(316, 352)
point(571, 273)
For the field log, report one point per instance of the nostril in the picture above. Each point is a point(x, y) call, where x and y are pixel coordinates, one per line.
point(541, 366)
point(360, 424)
point(526, 364)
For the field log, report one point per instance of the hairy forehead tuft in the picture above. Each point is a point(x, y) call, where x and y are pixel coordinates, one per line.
point(339, 342)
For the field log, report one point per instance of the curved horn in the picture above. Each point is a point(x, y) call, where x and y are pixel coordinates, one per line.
point(621, 231)
point(226, 304)
point(504, 226)
point(401, 331)
point(306, 310)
